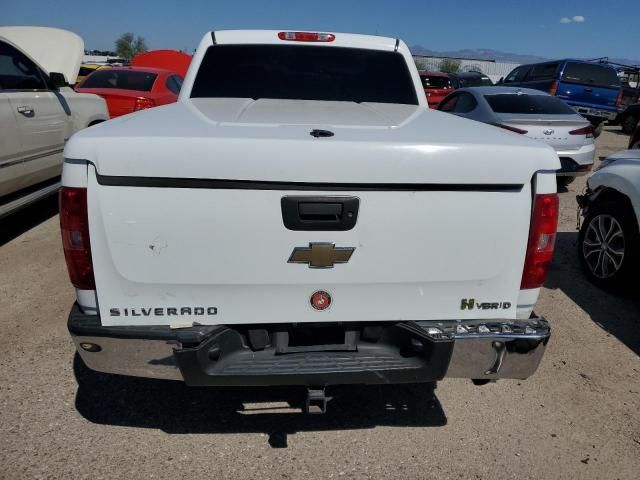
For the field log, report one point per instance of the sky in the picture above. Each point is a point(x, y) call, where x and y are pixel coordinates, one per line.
point(572, 28)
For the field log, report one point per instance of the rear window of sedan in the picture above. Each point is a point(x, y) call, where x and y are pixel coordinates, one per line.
point(121, 79)
point(528, 104)
point(480, 81)
point(435, 82)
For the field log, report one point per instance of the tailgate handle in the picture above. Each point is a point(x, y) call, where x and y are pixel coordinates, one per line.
point(319, 213)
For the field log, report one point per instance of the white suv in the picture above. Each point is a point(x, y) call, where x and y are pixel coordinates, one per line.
point(38, 111)
point(609, 242)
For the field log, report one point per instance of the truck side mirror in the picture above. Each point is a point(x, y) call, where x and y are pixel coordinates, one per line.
point(58, 80)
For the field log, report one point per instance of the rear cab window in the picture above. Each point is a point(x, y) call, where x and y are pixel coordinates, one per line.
point(528, 104)
point(480, 81)
point(590, 74)
point(296, 72)
point(121, 79)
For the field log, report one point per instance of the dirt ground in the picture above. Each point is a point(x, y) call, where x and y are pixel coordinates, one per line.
point(577, 417)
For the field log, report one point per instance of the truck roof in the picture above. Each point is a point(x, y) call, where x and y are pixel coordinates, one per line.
point(271, 37)
point(565, 60)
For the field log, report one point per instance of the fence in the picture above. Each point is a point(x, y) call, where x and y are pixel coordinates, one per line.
point(494, 70)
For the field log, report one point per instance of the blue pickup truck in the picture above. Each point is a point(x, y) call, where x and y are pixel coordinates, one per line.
point(592, 89)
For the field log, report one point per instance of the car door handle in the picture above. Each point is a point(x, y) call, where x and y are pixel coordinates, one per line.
point(26, 110)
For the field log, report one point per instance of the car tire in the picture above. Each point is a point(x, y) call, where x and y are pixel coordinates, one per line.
point(629, 124)
point(612, 263)
point(564, 181)
point(597, 129)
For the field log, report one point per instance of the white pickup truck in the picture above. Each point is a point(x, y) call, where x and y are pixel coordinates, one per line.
point(300, 217)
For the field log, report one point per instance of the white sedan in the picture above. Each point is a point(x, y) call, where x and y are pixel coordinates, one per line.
point(532, 113)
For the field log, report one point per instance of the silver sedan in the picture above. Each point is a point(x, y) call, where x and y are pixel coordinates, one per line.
point(535, 114)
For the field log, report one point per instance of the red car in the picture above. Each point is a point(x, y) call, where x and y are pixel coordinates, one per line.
point(437, 85)
point(127, 89)
point(168, 59)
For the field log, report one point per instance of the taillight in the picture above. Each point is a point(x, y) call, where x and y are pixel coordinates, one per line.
point(588, 131)
point(619, 99)
point(553, 89)
point(510, 128)
point(542, 236)
point(142, 103)
point(74, 224)
point(307, 36)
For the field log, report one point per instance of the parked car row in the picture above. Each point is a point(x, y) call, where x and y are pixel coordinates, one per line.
point(532, 113)
point(438, 85)
point(592, 89)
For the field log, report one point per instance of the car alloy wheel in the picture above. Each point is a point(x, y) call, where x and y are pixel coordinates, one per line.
point(603, 246)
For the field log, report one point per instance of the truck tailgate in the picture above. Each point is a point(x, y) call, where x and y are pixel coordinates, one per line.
point(220, 255)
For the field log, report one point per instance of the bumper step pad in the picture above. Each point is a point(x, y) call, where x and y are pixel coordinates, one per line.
point(403, 353)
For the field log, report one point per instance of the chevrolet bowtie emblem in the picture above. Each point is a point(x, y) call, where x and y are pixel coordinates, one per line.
point(321, 255)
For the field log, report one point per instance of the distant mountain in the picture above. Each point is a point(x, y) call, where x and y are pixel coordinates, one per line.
point(497, 55)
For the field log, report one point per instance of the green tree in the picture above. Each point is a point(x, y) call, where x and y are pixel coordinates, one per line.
point(128, 45)
point(448, 65)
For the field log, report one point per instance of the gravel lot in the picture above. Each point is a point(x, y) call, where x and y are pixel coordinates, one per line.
point(578, 417)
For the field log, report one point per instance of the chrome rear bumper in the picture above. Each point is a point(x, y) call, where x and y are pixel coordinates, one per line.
point(507, 350)
point(485, 350)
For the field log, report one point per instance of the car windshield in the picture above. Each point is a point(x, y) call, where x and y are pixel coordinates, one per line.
point(598, 75)
point(528, 104)
point(305, 73)
point(482, 81)
point(122, 79)
point(435, 82)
